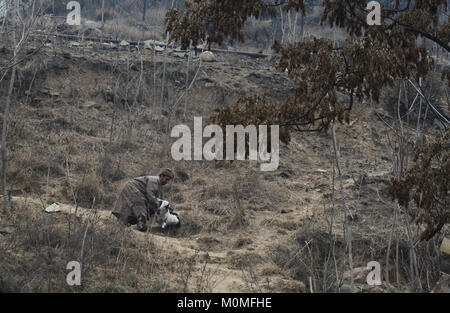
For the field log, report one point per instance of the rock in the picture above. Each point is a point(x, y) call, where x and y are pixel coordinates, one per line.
point(152, 42)
point(92, 24)
point(207, 56)
point(124, 43)
point(148, 45)
point(445, 246)
point(74, 44)
point(179, 55)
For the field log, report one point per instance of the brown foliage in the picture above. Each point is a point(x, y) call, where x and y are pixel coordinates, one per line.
point(427, 185)
point(372, 58)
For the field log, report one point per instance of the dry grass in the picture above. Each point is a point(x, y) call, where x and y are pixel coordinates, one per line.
point(232, 207)
point(36, 253)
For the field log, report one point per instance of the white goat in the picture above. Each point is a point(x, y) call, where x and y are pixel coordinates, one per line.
point(165, 216)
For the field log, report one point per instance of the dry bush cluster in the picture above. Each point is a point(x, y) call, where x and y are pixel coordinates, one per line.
point(319, 260)
point(35, 255)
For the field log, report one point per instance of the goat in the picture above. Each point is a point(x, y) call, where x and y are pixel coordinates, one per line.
point(165, 215)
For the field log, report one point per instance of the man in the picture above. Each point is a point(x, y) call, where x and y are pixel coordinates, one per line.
point(138, 200)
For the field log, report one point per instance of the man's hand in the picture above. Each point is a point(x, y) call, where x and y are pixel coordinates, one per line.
point(141, 224)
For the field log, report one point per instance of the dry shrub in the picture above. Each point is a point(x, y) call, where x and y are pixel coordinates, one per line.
point(178, 198)
point(18, 129)
point(217, 207)
point(195, 273)
point(243, 260)
point(209, 243)
point(270, 270)
point(286, 225)
point(289, 286)
point(35, 255)
point(28, 168)
point(242, 241)
point(238, 217)
point(305, 256)
point(199, 182)
point(256, 195)
point(88, 189)
point(109, 170)
point(182, 175)
point(213, 192)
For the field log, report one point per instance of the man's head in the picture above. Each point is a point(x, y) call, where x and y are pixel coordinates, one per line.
point(165, 176)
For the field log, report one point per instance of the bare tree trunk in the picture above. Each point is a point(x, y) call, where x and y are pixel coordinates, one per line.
point(162, 86)
point(419, 132)
point(154, 78)
point(294, 29)
point(394, 224)
point(103, 14)
point(187, 79)
point(144, 11)
point(330, 232)
point(8, 104)
point(164, 74)
point(282, 26)
point(347, 214)
point(302, 27)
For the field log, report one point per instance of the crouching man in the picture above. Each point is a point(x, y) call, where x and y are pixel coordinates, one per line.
point(139, 199)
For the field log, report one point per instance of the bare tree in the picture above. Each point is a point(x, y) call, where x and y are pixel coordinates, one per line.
point(144, 10)
point(103, 14)
point(14, 17)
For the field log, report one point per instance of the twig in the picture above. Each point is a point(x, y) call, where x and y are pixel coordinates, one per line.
point(85, 232)
point(348, 230)
point(394, 223)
